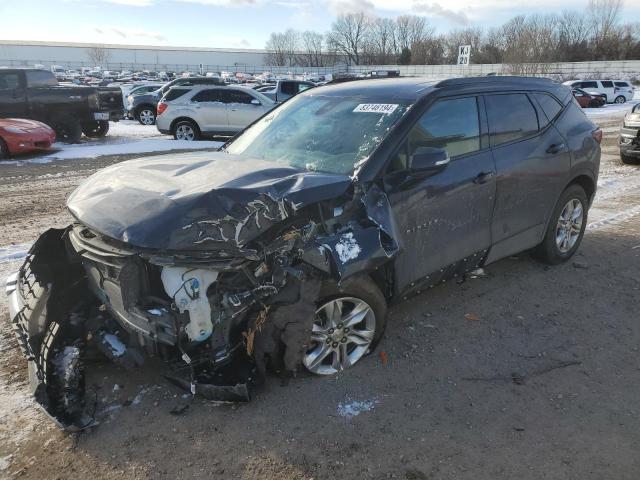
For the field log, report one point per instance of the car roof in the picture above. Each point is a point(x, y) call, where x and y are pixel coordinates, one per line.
point(410, 88)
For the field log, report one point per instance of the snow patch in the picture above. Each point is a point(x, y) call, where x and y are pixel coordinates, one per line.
point(354, 408)
point(347, 248)
point(11, 253)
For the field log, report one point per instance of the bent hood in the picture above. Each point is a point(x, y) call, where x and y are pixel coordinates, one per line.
point(198, 201)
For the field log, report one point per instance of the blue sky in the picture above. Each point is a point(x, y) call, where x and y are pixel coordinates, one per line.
point(239, 23)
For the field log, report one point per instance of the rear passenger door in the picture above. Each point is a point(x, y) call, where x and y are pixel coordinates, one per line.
point(532, 162)
point(607, 87)
point(210, 110)
point(13, 100)
point(443, 219)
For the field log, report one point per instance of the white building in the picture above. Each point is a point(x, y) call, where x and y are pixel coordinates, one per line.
point(130, 57)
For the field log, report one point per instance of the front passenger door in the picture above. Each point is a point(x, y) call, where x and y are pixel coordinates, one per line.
point(442, 218)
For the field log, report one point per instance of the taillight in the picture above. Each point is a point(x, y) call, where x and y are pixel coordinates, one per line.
point(161, 108)
point(597, 135)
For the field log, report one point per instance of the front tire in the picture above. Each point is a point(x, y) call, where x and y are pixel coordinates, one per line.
point(566, 227)
point(186, 130)
point(146, 115)
point(4, 150)
point(626, 159)
point(350, 321)
point(620, 99)
point(96, 129)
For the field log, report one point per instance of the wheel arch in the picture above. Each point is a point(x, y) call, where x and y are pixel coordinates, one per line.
point(587, 183)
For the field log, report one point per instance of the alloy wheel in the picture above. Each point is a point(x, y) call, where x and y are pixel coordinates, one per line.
point(342, 333)
point(569, 225)
point(620, 99)
point(147, 117)
point(185, 132)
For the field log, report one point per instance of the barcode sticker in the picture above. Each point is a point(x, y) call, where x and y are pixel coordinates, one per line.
point(386, 108)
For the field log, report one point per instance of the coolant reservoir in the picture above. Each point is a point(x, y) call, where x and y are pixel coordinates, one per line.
point(188, 289)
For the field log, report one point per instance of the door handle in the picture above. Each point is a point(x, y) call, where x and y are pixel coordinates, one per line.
point(555, 148)
point(483, 177)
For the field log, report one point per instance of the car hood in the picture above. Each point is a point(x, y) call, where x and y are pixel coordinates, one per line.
point(201, 201)
point(23, 124)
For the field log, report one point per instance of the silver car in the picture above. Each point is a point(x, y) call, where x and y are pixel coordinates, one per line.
point(209, 111)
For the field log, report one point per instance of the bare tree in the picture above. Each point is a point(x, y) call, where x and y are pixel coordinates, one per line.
point(348, 35)
point(99, 55)
point(281, 48)
point(313, 43)
point(530, 44)
point(383, 40)
point(603, 16)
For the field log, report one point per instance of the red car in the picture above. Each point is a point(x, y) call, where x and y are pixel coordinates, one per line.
point(588, 100)
point(18, 135)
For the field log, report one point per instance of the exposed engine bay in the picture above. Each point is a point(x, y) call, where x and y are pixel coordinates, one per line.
point(241, 300)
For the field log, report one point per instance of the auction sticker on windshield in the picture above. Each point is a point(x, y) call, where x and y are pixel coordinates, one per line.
point(387, 108)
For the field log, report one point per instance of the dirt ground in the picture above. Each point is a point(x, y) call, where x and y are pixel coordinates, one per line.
point(542, 381)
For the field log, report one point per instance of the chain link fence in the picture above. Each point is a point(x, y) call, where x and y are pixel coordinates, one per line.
point(622, 69)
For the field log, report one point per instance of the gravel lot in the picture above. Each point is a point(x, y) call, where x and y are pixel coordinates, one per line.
point(444, 404)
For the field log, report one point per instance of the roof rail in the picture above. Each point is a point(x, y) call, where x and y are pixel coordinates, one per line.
point(491, 79)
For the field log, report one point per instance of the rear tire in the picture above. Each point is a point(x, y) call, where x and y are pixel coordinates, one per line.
point(68, 130)
point(620, 99)
point(4, 150)
point(186, 130)
point(566, 227)
point(96, 129)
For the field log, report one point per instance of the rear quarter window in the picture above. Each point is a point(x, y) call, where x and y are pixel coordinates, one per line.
point(621, 84)
point(511, 117)
point(175, 93)
point(550, 106)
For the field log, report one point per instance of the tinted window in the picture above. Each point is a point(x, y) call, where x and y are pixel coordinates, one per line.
point(236, 96)
point(175, 93)
point(607, 84)
point(213, 95)
point(9, 81)
point(589, 84)
point(304, 86)
point(41, 78)
point(449, 124)
point(550, 106)
point(511, 117)
point(621, 84)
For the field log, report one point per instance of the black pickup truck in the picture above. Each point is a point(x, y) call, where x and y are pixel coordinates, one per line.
point(70, 110)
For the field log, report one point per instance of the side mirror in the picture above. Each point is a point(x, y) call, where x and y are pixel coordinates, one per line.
point(255, 101)
point(429, 159)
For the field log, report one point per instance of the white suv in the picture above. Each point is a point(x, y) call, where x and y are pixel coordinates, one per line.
point(616, 91)
point(201, 111)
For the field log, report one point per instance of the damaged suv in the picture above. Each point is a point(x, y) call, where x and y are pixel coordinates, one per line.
point(283, 249)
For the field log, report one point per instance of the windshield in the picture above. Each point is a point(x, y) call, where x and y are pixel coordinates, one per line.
point(326, 134)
